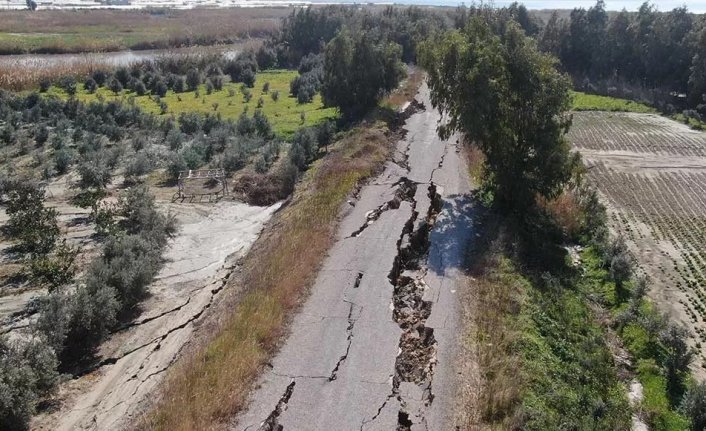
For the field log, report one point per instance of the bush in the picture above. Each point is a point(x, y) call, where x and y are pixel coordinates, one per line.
point(193, 156)
point(115, 86)
point(41, 134)
point(175, 165)
point(62, 160)
point(55, 269)
point(193, 79)
point(138, 87)
point(266, 58)
point(90, 85)
point(275, 95)
point(245, 125)
point(262, 124)
point(30, 222)
point(100, 77)
point(693, 406)
point(140, 165)
point(217, 82)
point(190, 122)
point(179, 85)
point(94, 173)
point(44, 85)
point(160, 88)
point(68, 84)
point(248, 78)
point(234, 157)
point(27, 372)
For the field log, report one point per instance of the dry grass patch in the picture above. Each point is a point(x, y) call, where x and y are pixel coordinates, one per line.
point(498, 294)
point(74, 31)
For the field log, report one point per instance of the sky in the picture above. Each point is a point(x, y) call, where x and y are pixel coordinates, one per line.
point(697, 6)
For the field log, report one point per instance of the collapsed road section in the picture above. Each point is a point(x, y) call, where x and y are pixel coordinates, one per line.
point(372, 348)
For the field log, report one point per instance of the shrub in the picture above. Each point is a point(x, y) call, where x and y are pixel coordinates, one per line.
point(209, 86)
point(122, 75)
point(100, 77)
point(217, 82)
point(193, 156)
point(27, 372)
point(160, 88)
point(140, 165)
point(175, 164)
point(275, 95)
point(68, 84)
point(248, 78)
point(138, 87)
point(179, 85)
point(55, 269)
point(193, 79)
point(94, 173)
point(115, 86)
point(694, 406)
point(41, 134)
point(262, 124)
point(234, 157)
point(678, 357)
point(245, 125)
point(90, 85)
point(190, 122)
point(266, 58)
point(266, 88)
point(62, 160)
point(30, 222)
point(44, 85)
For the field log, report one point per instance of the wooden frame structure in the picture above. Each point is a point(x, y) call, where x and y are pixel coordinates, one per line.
point(206, 177)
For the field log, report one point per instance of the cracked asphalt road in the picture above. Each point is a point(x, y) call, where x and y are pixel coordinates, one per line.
point(373, 347)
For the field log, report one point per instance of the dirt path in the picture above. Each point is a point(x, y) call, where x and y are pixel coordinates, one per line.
point(200, 260)
point(374, 345)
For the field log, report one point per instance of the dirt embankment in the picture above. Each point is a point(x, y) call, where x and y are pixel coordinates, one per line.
point(199, 262)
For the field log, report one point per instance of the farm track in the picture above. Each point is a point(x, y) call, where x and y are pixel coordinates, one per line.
point(651, 172)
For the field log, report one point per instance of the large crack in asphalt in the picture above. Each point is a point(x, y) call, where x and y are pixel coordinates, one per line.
point(349, 331)
point(404, 192)
point(272, 421)
point(417, 358)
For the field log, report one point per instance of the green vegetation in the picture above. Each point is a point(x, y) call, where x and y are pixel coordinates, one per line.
point(540, 342)
point(645, 334)
point(509, 99)
point(592, 102)
point(285, 113)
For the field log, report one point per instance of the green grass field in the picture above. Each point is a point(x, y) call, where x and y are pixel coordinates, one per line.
point(592, 102)
point(285, 114)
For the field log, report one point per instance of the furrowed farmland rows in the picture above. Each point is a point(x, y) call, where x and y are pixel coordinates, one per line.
point(659, 205)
